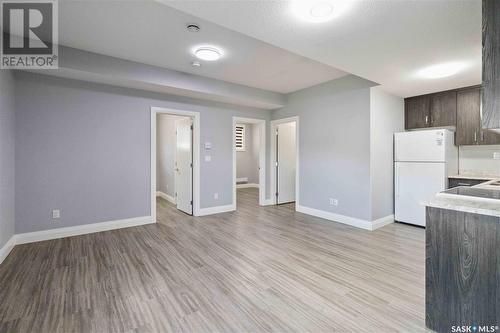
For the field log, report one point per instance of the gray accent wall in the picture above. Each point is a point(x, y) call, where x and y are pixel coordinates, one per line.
point(386, 118)
point(84, 148)
point(247, 162)
point(334, 145)
point(7, 160)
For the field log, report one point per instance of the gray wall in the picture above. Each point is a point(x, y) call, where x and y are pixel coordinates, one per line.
point(386, 118)
point(334, 145)
point(84, 148)
point(7, 169)
point(247, 162)
point(165, 153)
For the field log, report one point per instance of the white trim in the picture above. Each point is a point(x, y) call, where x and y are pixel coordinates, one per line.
point(272, 164)
point(268, 202)
point(262, 157)
point(216, 210)
point(352, 221)
point(83, 229)
point(5, 250)
point(249, 185)
point(382, 222)
point(241, 180)
point(165, 196)
point(196, 155)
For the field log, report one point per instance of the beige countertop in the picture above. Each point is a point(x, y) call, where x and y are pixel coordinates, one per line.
point(475, 206)
point(475, 176)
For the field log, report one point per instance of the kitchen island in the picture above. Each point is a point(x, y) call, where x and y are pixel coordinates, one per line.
point(463, 260)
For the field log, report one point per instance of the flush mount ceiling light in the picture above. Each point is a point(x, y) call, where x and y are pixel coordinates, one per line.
point(318, 11)
point(207, 53)
point(441, 70)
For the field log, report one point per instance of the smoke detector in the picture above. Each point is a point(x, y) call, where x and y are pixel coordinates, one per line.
point(193, 27)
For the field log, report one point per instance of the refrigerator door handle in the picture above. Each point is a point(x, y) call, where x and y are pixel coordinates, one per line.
point(396, 186)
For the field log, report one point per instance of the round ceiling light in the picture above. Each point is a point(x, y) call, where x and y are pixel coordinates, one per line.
point(208, 53)
point(321, 9)
point(441, 70)
point(318, 11)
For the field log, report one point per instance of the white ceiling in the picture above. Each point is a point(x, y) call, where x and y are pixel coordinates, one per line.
point(152, 33)
point(383, 41)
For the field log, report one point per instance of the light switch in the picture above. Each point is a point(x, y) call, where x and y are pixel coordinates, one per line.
point(208, 158)
point(496, 156)
point(208, 145)
point(56, 213)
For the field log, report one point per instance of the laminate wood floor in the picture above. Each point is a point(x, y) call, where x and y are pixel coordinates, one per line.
point(260, 269)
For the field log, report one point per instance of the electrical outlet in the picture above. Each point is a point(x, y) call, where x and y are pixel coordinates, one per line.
point(496, 156)
point(334, 202)
point(216, 196)
point(56, 213)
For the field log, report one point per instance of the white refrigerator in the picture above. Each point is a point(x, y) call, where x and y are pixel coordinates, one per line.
point(423, 160)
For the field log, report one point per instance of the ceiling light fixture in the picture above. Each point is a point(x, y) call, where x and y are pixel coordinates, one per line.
point(208, 53)
point(318, 11)
point(441, 70)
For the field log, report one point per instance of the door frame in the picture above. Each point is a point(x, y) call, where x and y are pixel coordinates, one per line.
point(272, 165)
point(196, 155)
point(262, 156)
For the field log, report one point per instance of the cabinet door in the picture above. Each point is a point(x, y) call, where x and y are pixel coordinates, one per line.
point(491, 64)
point(443, 109)
point(468, 117)
point(417, 112)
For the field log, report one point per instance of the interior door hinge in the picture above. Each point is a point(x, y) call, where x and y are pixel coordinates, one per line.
point(191, 127)
point(277, 194)
point(191, 202)
point(191, 165)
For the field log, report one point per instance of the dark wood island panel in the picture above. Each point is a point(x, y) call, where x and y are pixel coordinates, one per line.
point(462, 269)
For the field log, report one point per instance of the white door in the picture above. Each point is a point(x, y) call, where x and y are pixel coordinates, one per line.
point(420, 146)
point(414, 184)
point(184, 166)
point(286, 162)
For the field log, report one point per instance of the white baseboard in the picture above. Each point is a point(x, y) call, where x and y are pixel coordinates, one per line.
point(216, 210)
point(5, 250)
point(241, 180)
point(38, 236)
point(165, 196)
point(382, 222)
point(250, 185)
point(352, 221)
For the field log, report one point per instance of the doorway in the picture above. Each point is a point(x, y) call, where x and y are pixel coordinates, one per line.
point(285, 165)
point(174, 162)
point(249, 147)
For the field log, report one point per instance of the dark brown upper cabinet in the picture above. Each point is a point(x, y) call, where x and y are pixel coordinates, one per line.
point(443, 109)
point(491, 64)
point(469, 131)
point(434, 110)
point(417, 112)
point(468, 117)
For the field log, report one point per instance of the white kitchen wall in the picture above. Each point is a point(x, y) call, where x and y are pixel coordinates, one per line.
point(479, 159)
point(386, 118)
